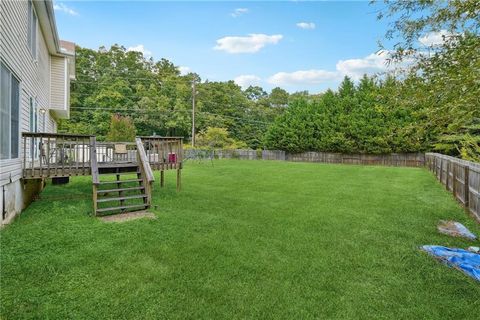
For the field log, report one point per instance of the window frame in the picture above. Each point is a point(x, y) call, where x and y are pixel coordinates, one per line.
point(33, 126)
point(15, 118)
point(32, 30)
point(13, 76)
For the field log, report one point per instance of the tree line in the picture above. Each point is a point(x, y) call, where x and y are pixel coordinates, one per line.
point(156, 98)
point(433, 105)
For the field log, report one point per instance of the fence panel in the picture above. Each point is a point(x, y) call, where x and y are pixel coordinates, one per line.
point(460, 177)
point(395, 159)
point(273, 155)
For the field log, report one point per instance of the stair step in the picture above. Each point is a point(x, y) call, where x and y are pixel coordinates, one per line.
point(143, 206)
point(140, 196)
point(120, 189)
point(117, 165)
point(121, 181)
point(118, 168)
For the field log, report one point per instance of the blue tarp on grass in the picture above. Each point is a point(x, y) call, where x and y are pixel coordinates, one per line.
point(463, 260)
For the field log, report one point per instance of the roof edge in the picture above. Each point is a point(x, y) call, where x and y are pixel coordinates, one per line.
point(46, 18)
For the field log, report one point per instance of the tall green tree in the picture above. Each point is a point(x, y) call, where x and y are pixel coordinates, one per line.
point(442, 86)
point(159, 99)
point(121, 129)
point(278, 97)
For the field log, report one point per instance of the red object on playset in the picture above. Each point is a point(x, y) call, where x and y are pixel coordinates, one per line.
point(172, 157)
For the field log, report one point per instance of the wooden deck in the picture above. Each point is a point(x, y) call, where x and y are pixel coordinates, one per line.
point(66, 155)
point(47, 155)
point(76, 169)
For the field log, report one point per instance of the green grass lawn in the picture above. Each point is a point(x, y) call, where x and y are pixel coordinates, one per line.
point(244, 239)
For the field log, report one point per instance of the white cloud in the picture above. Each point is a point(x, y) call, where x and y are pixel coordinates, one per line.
point(184, 70)
point(354, 68)
point(434, 38)
point(249, 44)
point(64, 8)
point(306, 25)
point(303, 77)
point(247, 80)
point(371, 64)
point(140, 48)
point(238, 12)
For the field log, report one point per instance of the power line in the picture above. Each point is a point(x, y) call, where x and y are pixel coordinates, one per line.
point(159, 77)
point(81, 108)
point(130, 79)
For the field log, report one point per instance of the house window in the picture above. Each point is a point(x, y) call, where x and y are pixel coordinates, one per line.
point(33, 115)
point(33, 126)
point(9, 113)
point(32, 29)
point(42, 111)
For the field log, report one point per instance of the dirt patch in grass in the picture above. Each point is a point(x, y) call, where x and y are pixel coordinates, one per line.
point(127, 216)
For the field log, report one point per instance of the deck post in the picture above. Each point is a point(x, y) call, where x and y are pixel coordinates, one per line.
point(48, 156)
point(40, 155)
point(179, 179)
point(162, 178)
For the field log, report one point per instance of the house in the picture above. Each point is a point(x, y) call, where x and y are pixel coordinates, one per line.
point(36, 69)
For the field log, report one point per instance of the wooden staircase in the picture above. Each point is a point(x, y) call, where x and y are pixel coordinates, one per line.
point(123, 186)
point(121, 193)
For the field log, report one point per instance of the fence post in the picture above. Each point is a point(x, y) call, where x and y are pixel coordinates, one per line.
point(448, 175)
point(467, 187)
point(454, 179)
point(441, 170)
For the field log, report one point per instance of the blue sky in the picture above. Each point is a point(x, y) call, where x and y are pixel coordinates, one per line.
point(295, 45)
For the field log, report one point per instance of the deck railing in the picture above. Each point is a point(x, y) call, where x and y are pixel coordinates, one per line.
point(116, 152)
point(62, 155)
point(164, 153)
point(55, 155)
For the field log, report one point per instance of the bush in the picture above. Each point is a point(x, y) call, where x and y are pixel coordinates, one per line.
point(218, 138)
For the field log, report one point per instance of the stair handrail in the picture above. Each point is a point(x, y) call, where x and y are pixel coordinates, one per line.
point(93, 161)
point(94, 171)
point(146, 169)
point(143, 162)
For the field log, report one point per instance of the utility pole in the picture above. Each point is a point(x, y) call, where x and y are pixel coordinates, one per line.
point(194, 92)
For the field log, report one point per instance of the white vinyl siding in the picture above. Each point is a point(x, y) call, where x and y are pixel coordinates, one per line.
point(34, 75)
point(58, 68)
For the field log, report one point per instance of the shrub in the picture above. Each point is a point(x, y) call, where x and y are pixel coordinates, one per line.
point(218, 138)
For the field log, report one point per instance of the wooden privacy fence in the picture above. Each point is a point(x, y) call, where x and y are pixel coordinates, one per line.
point(460, 177)
point(394, 159)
